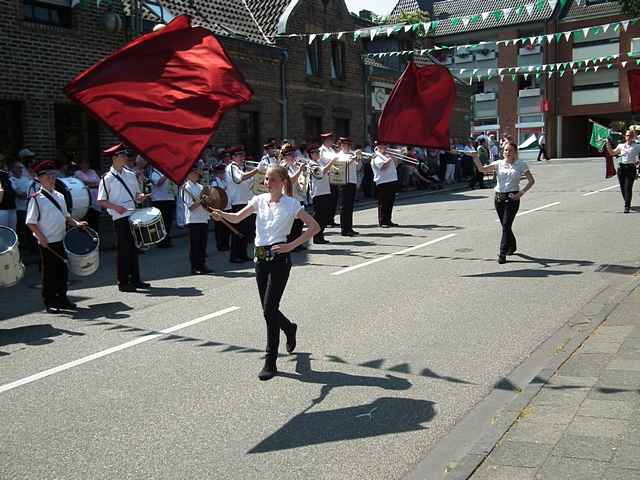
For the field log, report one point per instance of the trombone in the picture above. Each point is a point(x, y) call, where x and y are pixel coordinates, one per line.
point(393, 153)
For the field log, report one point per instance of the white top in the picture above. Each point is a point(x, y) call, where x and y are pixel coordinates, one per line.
point(190, 194)
point(352, 171)
point(383, 175)
point(320, 186)
point(265, 162)
point(90, 176)
point(221, 183)
point(508, 176)
point(160, 193)
point(239, 192)
point(541, 140)
point(628, 153)
point(113, 191)
point(21, 185)
point(52, 222)
point(274, 219)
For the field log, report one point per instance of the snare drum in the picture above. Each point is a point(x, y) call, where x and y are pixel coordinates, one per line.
point(258, 185)
point(83, 251)
point(79, 196)
point(11, 267)
point(147, 227)
point(338, 173)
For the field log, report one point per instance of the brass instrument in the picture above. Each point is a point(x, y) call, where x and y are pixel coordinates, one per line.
point(401, 157)
point(215, 198)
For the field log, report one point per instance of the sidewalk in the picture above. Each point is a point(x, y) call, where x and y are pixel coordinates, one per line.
point(584, 423)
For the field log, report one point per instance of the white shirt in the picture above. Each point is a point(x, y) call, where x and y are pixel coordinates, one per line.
point(352, 170)
point(190, 194)
point(628, 153)
point(383, 175)
point(112, 190)
point(297, 193)
point(508, 176)
point(239, 192)
point(21, 185)
point(51, 221)
point(541, 140)
point(222, 183)
point(320, 186)
point(90, 176)
point(160, 193)
point(265, 162)
point(274, 219)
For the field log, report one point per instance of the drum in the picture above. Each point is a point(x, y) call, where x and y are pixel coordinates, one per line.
point(11, 267)
point(79, 195)
point(258, 185)
point(339, 173)
point(147, 227)
point(83, 251)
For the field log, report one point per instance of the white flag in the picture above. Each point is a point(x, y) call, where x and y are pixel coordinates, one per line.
point(567, 36)
point(465, 21)
point(552, 4)
point(605, 27)
point(624, 24)
point(485, 15)
point(529, 8)
point(586, 31)
point(624, 64)
point(372, 33)
point(549, 74)
point(312, 37)
point(550, 38)
point(427, 26)
point(507, 12)
point(340, 34)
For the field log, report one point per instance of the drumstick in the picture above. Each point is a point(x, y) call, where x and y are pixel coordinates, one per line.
point(56, 254)
point(229, 226)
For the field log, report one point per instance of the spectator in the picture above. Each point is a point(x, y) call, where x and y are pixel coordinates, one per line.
point(7, 200)
point(91, 179)
point(20, 183)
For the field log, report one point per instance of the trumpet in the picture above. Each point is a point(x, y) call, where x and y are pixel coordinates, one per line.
point(398, 155)
point(314, 170)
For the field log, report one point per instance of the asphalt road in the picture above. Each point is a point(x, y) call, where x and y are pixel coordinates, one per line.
point(396, 344)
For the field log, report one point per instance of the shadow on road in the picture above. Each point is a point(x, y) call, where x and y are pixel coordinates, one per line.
point(32, 335)
point(524, 273)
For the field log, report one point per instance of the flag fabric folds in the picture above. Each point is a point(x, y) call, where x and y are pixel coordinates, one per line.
point(599, 136)
point(419, 108)
point(633, 76)
point(164, 94)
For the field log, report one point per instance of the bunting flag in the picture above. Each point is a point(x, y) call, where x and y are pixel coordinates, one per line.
point(423, 98)
point(164, 94)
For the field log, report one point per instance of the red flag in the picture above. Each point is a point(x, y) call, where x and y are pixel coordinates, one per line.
point(610, 170)
point(633, 76)
point(419, 107)
point(164, 93)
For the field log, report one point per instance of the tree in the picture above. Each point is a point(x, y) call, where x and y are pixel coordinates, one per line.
point(631, 7)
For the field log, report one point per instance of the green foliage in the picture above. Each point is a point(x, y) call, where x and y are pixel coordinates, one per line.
point(631, 7)
point(419, 16)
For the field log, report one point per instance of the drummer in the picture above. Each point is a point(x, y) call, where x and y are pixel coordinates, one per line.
point(222, 232)
point(119, 192)
point(47, 217)
point(197, 221)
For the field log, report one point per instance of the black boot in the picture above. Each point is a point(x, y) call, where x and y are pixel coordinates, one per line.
point(291, 338)
point(269, 370)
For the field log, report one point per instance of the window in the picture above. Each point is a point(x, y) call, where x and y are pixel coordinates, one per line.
point(342, 127)
point(312, 64)
point(10, 128)
point(76, 135)
point(312, 128)
point(249, 132)
point(55, 12)
point(478, 87)
point(530, 82)
point(338, 60)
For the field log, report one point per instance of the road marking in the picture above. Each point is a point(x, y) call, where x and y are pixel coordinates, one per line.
point(401, 252)
point(109, 351)
point(601, 190)
point(535, 209)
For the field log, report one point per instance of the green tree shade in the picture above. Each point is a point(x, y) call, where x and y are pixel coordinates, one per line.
point(631, 7)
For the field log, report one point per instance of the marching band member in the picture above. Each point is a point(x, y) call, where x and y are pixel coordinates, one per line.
point(349, 190)
point(164, 199)
point(321, 191)
point(275, 212)
point(328, 153)
point(270, 156)
point(508, 194)
point(628, 154)
point(385, 176)
point(239, 190)
point(294, 169)
point(221, 231)
point(197, 221)
point(47, 218)
point(119, 192)
point(91, 179)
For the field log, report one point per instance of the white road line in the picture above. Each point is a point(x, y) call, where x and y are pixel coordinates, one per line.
point(539, 208)
point(401, 252)
point(601, 190)
point(109, 351)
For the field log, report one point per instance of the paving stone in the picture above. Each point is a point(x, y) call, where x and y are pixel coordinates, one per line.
point(562, 468)
point(607, 409)
point(567, 381)
point(628, 361)
point(601, 346)
point(620, 378)
point(597, 427)
point(635, 333)
point(631, 434)
point(613, 332)
point(547, 433)
point(585, 364)
point(558, 414)
point(613, 393)
point(630, 345)
point(490, 471)
point(520, 454)
point(563, 396)
point(613, 473)
point(628, 456)
point(589, 448)
point(624, 314)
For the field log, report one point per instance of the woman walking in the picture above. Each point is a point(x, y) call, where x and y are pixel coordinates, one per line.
point(508, 194)
point(275, 212)
point(627, 154)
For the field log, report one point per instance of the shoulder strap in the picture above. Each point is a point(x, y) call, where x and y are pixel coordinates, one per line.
point(52, 200)
point(124, 184)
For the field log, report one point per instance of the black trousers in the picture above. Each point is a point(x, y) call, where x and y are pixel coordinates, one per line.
point(54, 274)
point(272, 277)
point(542, 153)
point(296, 229)
point(333, 207)
point(93, 219)
point(222, 236)
point(507, 211)
point(348, 192)
point(626, 177)
point(247, 228)
point(321, 211)
point(25, 237)
point(198, 236)
point(386, 194)
point(126, 253)
point(368, 187)
point(166, 208)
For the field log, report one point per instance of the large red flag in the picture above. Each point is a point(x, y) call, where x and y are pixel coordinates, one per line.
point(419, 107)
point(164, 93)
point(633, 76)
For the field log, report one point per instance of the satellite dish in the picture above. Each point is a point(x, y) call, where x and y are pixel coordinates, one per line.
point(112, 22)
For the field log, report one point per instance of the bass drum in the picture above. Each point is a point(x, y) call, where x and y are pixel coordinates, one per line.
point(83, 251)
point(77, 196)
point(11, 267)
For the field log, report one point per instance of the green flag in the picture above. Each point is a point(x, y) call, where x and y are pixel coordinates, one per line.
point(599, 136)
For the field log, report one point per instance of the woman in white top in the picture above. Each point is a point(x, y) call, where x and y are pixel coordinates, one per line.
point(627, 154)
point(275, 213)
point(508, 193)
point(385, 176)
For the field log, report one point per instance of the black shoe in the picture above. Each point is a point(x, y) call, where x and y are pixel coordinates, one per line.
point(511, 251)
point(291, 338)
point(52, 308)
point(354, 232)
point(127, 288)
point(333, 225)
point(142, 285)
point(67, 304)
point(201, 271)
point(348, 234)
point(626, 210)
point(391, 224)
point(269, 370)
point(502, 259)
point(320, 241)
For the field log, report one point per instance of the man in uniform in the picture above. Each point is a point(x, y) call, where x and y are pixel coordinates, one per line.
point(328, 154)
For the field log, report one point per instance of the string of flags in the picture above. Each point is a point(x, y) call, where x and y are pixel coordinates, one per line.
point(531, 41)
